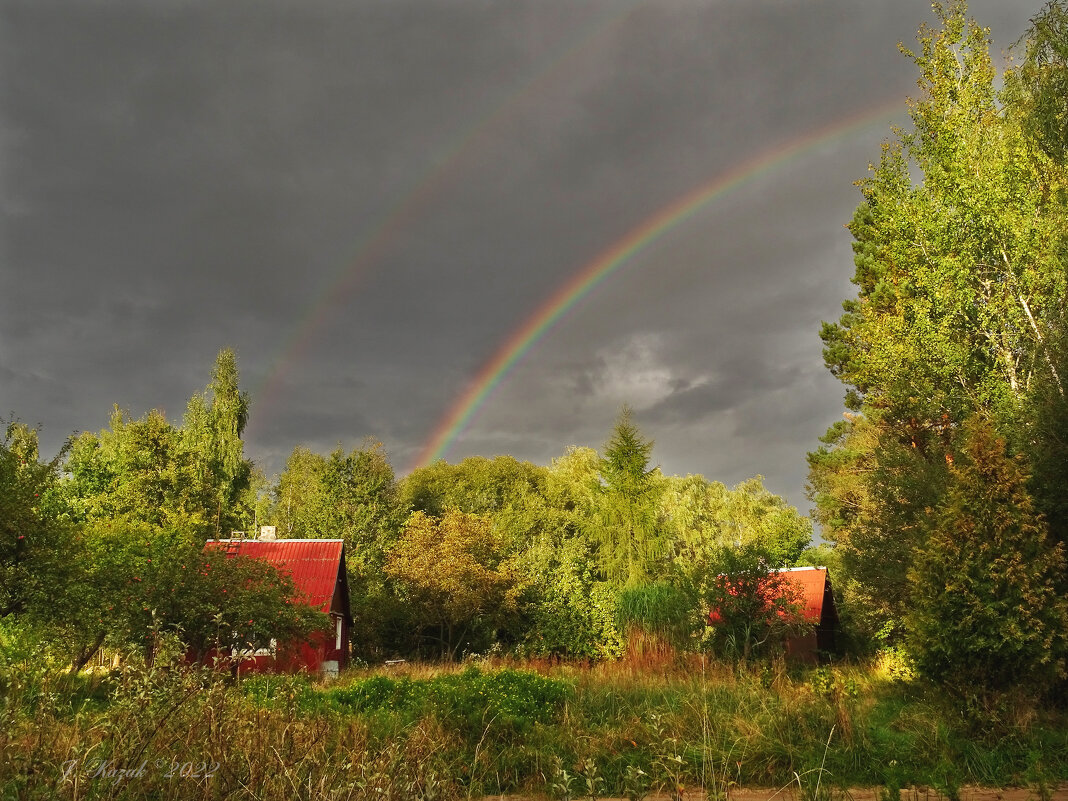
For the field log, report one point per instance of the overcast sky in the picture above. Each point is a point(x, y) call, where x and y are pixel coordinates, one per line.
point(367, 199)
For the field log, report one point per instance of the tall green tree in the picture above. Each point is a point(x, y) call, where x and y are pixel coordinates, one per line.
point(961, 290)
point(630, 541)
point(301, 508)
point(986, 613)
point(214, 423)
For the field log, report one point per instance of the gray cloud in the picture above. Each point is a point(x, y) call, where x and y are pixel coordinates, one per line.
point(367, 198)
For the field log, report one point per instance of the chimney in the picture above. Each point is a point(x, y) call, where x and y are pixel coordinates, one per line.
point(267, 533)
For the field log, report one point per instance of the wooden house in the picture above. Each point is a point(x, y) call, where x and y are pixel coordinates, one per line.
point(810, 588)
point(317, 568)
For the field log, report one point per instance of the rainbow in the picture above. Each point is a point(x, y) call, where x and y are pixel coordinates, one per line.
point(379, 237)
point(537, 325)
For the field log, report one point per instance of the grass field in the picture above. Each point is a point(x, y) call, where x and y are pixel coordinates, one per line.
point(623, 729)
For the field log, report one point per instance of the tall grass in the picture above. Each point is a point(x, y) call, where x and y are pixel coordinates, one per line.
point(420, 732)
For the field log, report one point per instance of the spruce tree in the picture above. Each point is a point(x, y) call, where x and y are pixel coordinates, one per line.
point(626, 529)
point(986, 615)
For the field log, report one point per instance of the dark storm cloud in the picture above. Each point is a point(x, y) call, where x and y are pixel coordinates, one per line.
point(178, 176)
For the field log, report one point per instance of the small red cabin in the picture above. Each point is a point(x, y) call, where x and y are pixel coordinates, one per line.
point(811, 588)
point(317, 567)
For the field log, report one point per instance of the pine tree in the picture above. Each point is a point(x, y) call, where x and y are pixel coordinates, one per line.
point(626, 529)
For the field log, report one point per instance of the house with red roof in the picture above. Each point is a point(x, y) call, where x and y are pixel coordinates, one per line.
point(317, 568)
point(809, 588)
point(812, 588)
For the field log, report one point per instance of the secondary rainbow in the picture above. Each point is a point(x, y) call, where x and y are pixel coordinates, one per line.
point(398, 218)
point(537, 325)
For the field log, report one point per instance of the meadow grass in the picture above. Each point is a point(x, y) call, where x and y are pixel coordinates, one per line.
point(463, 731)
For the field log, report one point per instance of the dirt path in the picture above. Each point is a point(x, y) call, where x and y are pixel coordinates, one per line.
point(1058, 793)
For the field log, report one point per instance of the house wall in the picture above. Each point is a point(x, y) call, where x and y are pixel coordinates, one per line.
point(803, 648)
point(302, 657)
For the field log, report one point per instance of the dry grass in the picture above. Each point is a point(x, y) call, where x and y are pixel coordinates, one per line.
point(679, 720)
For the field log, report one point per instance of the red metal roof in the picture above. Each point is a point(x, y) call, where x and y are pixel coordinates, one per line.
point(809, 584)
point(314, 565)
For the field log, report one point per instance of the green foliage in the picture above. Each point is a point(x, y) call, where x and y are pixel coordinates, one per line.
point(301, 507)
point(214, 423)
point(476, 485)
point(1039, 87)
point(505, 700)
point(661, 610)
point(569, 612)
point(959, 309)
point(29, 658)
point(192, 478)
point(704, 518)
point(987, 613)
point(353, 496)
point(35, 534)
point(134, 582)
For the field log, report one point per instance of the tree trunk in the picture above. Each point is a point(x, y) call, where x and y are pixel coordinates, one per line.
point(86, 653)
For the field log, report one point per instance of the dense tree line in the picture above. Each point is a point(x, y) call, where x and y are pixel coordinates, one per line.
point(105, 541)
point(495, 553)
point(943, 487)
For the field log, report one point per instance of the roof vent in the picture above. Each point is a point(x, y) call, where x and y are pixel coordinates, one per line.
point(267, 533)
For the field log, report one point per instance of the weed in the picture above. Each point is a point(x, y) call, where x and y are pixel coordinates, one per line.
point(636, 783)
point(562, 783)
point(593, 780)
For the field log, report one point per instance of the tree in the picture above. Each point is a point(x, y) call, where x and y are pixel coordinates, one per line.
point(955, 274)
point(1039, 88)
point(872, 492)
point(506, 489)
point(363, 503)
point(457, 577)
point(986, 614)
point(704, 518)
point(755, 516)
point(35, 531)
point(752, 607)
point(568, 611)
point(961, 290)
point(301, 508)
point(214, 422)
point(626, 527)
point(192, 477)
